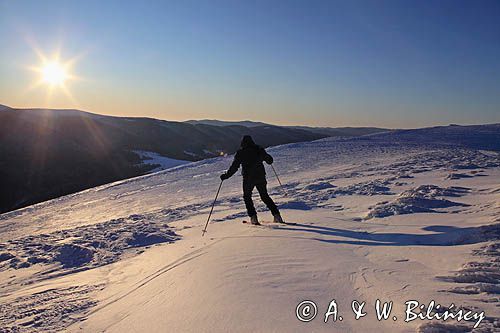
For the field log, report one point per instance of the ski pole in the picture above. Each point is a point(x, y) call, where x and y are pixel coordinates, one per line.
point(211, 210)
point(279, 181)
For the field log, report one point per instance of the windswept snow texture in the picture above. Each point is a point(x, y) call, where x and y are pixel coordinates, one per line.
point(423, 199)
point(86, 246)
point(46, 311)
point(362, 207)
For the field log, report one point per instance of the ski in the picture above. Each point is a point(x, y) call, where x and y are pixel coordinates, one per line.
point(261, 225)
point(268, 223)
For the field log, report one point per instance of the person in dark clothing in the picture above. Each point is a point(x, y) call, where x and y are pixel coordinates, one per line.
point(250, 156)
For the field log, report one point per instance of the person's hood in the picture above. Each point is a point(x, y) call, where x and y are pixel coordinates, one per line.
point(247, 141)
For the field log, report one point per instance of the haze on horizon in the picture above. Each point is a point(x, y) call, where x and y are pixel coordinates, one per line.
point(398, 64)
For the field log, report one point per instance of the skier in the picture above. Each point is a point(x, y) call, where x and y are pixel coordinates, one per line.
point(250, 156)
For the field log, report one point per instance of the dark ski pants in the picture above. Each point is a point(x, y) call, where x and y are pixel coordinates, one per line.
point(262, 188)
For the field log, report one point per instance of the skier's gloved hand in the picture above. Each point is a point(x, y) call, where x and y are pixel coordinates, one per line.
point(223, 176)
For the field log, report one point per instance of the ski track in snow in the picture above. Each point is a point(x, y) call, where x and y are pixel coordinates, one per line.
point(99, 226)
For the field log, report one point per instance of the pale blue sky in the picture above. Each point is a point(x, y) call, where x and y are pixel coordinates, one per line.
point(331, 63)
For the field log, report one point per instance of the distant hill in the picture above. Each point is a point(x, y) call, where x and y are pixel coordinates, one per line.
point(486, 137)
point(342, 131)
point(214, 122)
point(328, 131)
point(49, 153)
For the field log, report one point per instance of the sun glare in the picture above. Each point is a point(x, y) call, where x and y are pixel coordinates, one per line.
point(54, 73)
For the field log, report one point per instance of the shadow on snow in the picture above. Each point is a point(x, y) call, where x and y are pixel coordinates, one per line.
point(439, 236)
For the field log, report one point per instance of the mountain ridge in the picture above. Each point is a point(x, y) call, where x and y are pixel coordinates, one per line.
point(47, 153)
point(329, 131)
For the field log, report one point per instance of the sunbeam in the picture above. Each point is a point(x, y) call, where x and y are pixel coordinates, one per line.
point(54, 74)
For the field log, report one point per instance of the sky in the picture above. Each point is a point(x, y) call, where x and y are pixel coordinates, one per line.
point(398, 64)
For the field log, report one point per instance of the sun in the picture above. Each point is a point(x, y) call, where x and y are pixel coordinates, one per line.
point(54, 73)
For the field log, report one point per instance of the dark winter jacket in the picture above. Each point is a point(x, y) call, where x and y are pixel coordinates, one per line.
point(250, 157)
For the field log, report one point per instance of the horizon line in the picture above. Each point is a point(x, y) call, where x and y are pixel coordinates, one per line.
point(246, 120)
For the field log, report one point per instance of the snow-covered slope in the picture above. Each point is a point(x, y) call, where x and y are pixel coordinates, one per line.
point(374, 218)
point(474, 136)
point(160, 162)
